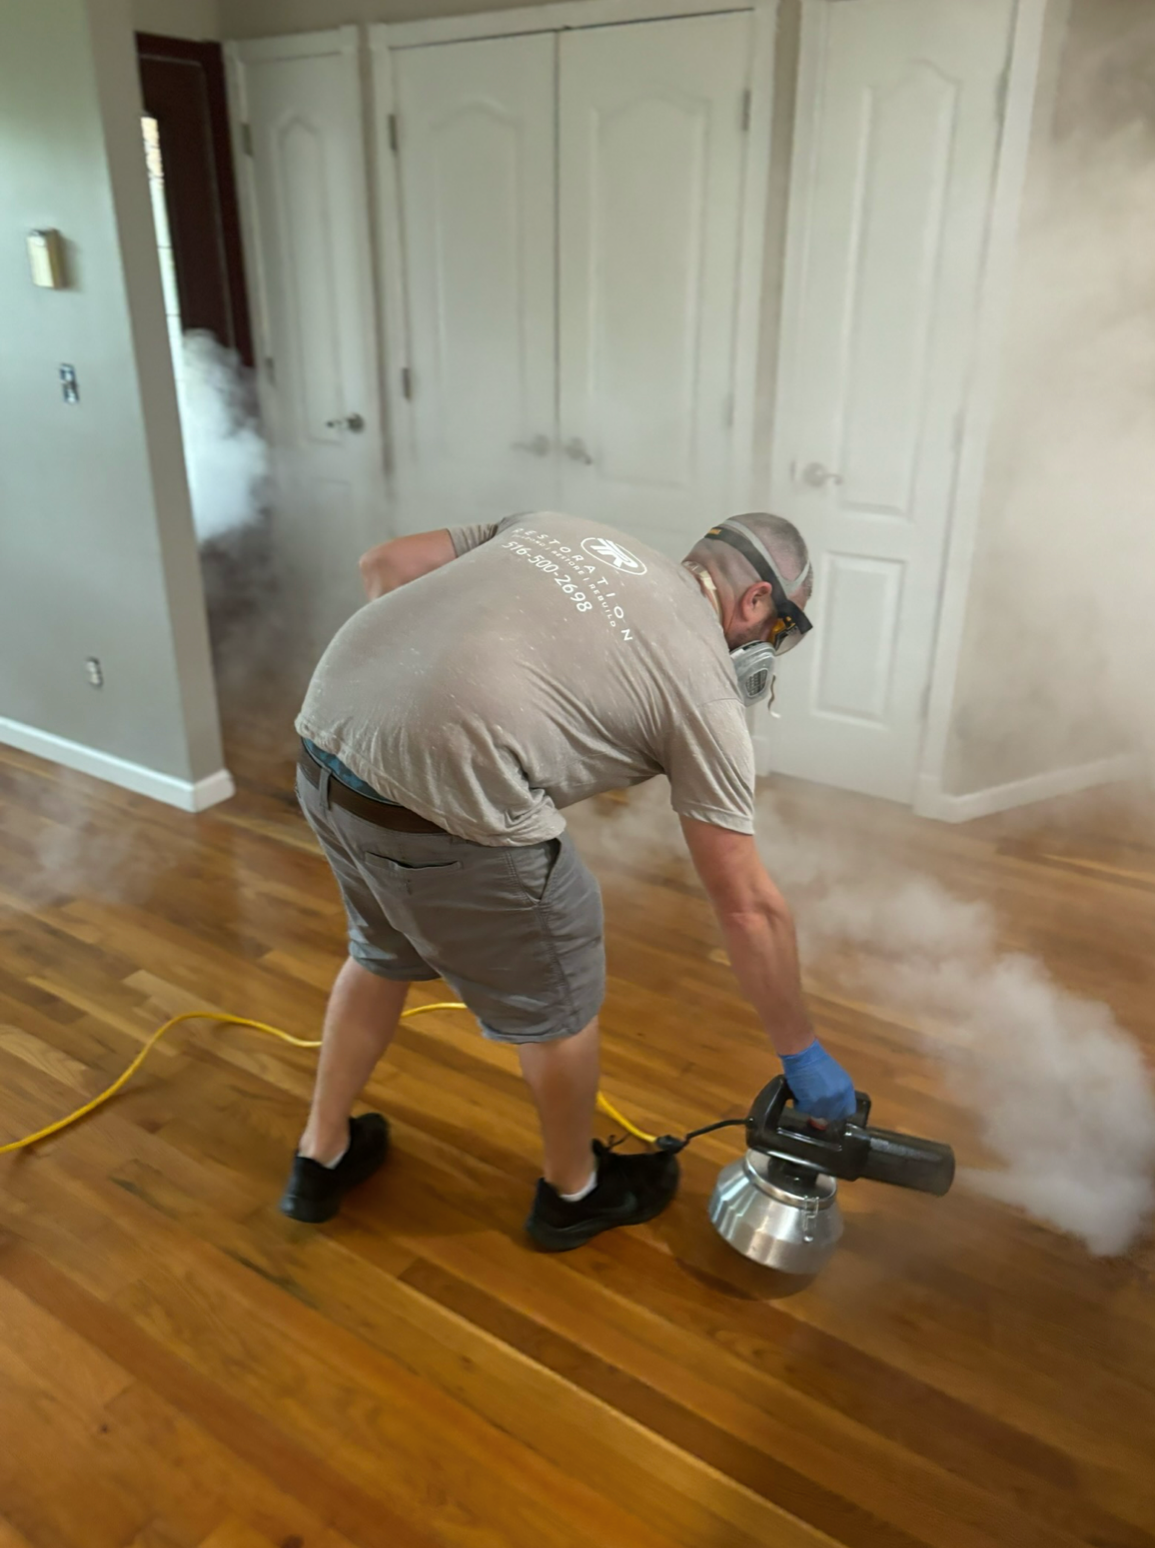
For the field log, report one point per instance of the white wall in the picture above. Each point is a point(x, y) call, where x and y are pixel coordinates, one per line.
point(97, 555)
point(274, 18)
point(1058, 661)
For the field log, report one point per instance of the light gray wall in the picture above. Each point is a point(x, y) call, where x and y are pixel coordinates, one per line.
point(97, 555)
point(196, 19)
point(1058, 659)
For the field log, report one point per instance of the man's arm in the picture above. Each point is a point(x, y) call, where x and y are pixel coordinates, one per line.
point(758, 929)
point(403, 559)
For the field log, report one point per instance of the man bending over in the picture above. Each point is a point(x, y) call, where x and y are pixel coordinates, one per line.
point(499, 674)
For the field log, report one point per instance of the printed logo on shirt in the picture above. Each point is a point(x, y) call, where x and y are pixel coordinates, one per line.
point(614, 554)
point(579, 582)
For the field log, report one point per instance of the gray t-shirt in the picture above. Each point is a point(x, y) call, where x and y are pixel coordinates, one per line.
point(553, 659)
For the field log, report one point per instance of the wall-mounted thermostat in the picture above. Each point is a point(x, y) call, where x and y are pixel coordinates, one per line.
point(46, 256)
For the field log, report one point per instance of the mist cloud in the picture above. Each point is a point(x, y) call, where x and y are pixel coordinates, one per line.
point(226, 456)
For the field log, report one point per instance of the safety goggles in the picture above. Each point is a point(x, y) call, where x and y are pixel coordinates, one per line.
point(791, 624)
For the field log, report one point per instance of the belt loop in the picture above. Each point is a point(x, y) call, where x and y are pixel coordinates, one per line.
point(323, 786)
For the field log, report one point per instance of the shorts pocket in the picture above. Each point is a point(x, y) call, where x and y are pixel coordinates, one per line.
point(412, 875)
point(415, 865)
point(535, 868)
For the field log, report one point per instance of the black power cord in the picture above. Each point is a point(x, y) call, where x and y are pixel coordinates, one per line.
point(671, 1144)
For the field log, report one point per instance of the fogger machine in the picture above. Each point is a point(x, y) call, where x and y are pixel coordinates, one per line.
point(778, 1204)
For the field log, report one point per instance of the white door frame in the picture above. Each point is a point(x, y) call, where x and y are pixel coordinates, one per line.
point(566, 16)
point(563, 16)
point(995, 288)
point(995, 292)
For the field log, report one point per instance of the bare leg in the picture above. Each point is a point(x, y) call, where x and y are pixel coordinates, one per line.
point(360, 1021)
point(563, 1078)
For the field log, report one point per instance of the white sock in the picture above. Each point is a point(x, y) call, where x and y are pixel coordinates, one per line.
point(576, 1198)
point(336, 1161)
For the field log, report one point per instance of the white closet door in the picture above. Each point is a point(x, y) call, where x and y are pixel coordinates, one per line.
point(895, 149)
point(476, 130)
point(307, 240)
point(651, 155)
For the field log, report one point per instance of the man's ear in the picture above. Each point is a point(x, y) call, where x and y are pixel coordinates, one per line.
point(758, 600)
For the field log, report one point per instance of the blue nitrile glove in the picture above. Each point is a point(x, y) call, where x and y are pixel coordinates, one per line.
point(821, 1087)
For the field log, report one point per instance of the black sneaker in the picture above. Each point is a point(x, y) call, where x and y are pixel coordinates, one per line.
point(314, 1192)
point(630, 1189)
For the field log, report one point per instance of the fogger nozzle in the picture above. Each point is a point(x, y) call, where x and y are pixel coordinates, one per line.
point(908, 1162)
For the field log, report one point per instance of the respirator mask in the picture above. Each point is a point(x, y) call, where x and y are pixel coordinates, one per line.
point(754, 664)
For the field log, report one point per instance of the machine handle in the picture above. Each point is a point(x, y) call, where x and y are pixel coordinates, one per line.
point(861, 1110)
point(770, 1104)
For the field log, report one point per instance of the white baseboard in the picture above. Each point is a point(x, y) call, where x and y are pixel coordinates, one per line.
point(184, 793)
point(931, 801)
point(212, 790)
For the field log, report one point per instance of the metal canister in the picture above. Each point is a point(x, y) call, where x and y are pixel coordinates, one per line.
point(777, 1214)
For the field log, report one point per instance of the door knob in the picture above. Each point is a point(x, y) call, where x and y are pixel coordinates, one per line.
point(818, 476)
point(576, 450)
point(539, 446)
point(352, 422)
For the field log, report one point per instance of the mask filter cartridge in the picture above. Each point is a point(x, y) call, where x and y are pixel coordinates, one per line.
point(754, 667)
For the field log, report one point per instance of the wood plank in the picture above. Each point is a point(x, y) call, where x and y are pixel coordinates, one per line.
point(302, 1472)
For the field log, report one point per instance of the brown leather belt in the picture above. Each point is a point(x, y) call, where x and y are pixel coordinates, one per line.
point(397, 818)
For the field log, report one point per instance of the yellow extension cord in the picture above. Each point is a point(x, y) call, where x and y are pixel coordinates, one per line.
point(257, 1026)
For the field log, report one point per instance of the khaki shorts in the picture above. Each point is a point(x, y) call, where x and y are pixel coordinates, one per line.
point(515, 931)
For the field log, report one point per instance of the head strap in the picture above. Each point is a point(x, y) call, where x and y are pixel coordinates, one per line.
point(738, 535)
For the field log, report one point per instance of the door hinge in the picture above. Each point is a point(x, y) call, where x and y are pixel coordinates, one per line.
point(747, 109)
point(406, 383)
point(247, 139)
point(394, 134)
point(271, 369)
point(924, 706)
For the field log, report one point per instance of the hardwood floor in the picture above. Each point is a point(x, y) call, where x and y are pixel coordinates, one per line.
point(180, 1367)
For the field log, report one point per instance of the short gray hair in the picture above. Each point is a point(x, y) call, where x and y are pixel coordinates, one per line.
point(781, 538)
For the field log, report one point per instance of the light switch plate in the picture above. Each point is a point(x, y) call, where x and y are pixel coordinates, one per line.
point(46, 259)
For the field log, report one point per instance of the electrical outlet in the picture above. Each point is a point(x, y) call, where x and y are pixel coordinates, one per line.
point(68, 384)
point(95, 672)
